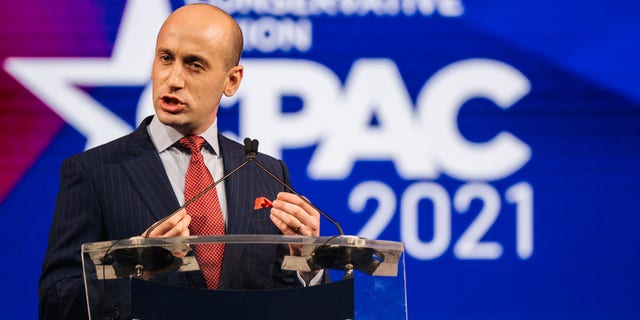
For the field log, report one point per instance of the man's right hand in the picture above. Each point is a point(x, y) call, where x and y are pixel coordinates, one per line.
point(176, 226)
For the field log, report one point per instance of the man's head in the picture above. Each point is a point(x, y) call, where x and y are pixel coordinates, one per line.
point(195, 63)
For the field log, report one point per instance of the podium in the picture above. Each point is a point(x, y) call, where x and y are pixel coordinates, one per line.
point(143, 278)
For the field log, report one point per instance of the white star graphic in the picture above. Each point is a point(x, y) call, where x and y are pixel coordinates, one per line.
point(54, 80)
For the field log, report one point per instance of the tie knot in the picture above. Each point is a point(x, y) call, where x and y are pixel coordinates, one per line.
point(194, 143)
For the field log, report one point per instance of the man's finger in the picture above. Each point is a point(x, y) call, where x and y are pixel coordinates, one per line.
point(169, 224)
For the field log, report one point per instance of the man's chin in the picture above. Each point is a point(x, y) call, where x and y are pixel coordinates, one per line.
point(173, 120)
point(180, 123)
point(170, 119)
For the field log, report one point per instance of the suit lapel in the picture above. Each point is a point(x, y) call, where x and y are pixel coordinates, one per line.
point(141, 163)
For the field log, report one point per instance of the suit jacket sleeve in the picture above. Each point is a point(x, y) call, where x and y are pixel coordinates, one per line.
point(75, 221)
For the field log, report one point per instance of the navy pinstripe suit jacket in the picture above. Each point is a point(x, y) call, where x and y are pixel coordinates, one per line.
point(119, 189)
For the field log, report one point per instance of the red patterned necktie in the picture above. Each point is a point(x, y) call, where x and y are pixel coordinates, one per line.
point(205, 212)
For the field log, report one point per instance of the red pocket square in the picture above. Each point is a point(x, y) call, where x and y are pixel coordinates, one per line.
point(261, 202)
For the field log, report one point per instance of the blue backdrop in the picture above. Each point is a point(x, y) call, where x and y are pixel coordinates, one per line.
point(498, 140)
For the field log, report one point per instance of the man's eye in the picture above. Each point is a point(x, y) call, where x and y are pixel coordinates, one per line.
point(196, 66)
point(165, 58)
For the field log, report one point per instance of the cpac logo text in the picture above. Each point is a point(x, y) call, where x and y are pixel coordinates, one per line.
point(422, 141)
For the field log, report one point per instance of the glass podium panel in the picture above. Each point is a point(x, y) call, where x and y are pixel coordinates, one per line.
point(154, 272)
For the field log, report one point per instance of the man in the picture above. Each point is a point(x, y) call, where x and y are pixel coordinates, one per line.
point(120, 189)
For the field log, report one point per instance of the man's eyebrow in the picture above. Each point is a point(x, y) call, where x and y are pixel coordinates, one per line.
point(164, 50)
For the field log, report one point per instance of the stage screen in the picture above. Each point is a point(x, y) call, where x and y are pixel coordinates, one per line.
point(498, 140)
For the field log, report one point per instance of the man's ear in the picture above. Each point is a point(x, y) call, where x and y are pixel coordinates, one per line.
point(234, 77)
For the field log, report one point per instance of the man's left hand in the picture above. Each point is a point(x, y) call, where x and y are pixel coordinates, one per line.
point(293, 216)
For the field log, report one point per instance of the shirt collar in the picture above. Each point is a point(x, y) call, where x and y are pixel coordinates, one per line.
point(164, 136)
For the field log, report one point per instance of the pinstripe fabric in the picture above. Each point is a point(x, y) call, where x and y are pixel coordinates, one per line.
point(119, 189)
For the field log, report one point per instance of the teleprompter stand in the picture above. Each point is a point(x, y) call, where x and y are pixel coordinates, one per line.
point(136, 278)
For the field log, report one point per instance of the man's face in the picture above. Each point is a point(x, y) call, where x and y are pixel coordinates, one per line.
point(189, 75)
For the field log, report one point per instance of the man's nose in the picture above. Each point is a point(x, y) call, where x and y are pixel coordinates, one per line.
point(176, 78)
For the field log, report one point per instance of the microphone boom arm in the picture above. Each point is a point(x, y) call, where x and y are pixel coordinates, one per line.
point(251, 150)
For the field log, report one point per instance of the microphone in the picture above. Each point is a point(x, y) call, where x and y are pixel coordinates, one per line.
point(250, 147)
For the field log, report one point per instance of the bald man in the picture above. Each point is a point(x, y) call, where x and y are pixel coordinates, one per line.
point(118, 190)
